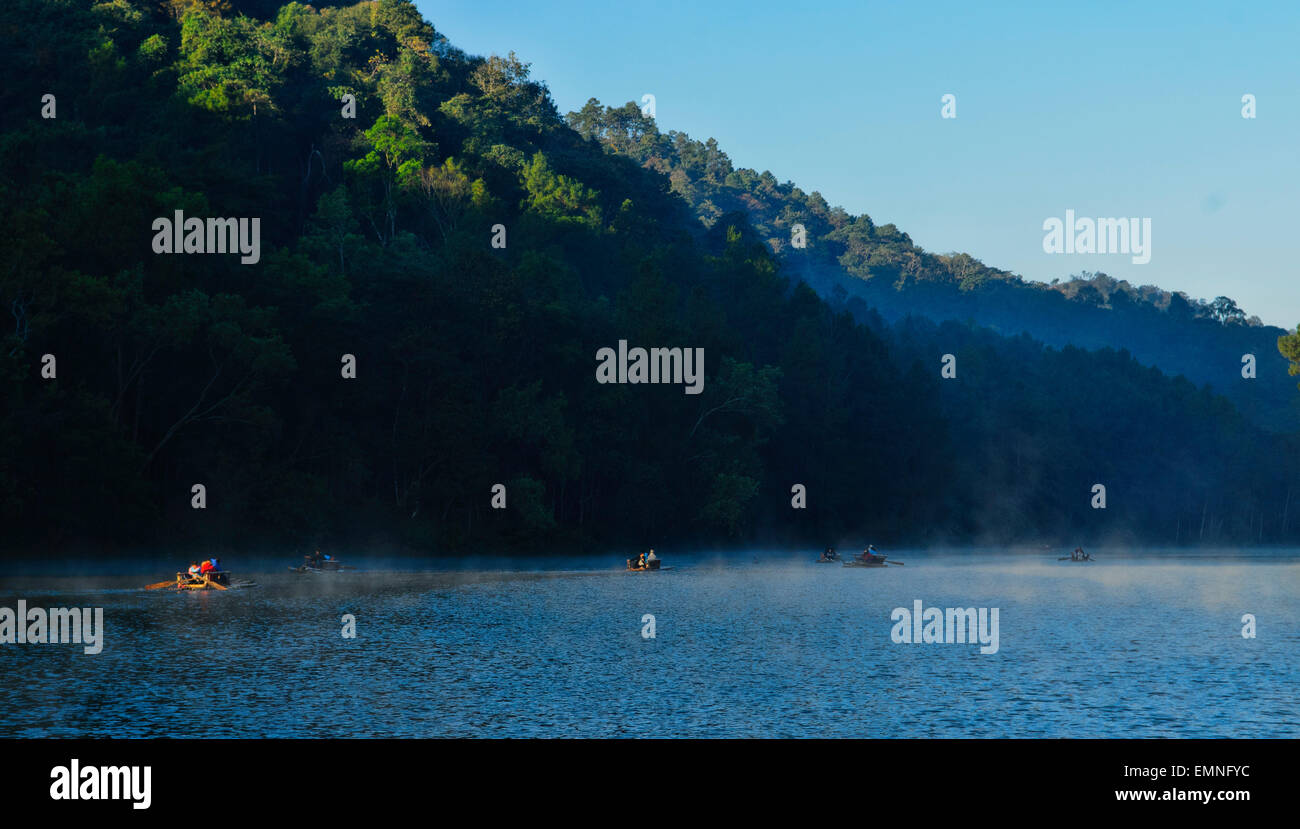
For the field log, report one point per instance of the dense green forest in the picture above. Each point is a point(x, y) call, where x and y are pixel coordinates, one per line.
point(476, 364)
point(1203, 340)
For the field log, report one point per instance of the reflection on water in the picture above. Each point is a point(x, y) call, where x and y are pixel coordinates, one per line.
point(1129, 647)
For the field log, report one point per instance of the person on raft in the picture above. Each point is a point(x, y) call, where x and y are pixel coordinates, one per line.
point(651, 558)
point(868, 553)
point(829, 555)
point(1079, 555)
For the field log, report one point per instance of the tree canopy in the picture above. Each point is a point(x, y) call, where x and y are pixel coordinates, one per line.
point(475, 364)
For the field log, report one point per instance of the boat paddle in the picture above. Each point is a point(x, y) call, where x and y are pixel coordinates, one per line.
point(161, 584)
point(899, 563)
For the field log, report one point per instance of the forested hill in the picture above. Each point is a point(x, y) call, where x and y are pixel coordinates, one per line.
point(441, 259)
point(1203, 340)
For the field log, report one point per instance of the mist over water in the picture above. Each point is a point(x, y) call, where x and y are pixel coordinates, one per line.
point(1136, 644)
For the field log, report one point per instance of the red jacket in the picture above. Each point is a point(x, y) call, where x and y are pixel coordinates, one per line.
point(205, 567)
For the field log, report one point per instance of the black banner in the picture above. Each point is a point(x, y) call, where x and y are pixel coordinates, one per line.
point(331, 778)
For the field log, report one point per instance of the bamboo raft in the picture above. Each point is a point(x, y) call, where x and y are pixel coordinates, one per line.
point(870, 561)
point(212, 580)
point(650, 566)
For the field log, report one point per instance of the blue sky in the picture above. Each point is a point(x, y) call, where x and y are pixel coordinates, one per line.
point(1109, 109)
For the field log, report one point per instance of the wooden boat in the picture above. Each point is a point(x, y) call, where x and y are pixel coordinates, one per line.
point(219, 580)
point(211, 580)
point(650, 566)
point(206, 581)
point(871, 561)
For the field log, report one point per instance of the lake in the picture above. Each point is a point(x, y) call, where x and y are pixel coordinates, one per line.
point(744, 645)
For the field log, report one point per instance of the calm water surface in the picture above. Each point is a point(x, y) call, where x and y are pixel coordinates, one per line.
point(1128, 646)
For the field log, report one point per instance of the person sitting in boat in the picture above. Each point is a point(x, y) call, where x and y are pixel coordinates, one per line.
point(829, 555)
point(868, 553)
point(651, 559)
point(194, 570)
point(205, 567)
point(216, 565)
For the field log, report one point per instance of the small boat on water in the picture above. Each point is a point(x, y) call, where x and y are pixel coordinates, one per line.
point(644, 563)
point(1077, 555)
point(870, 558)
point(651, 567)
point(212, 580)
point(320, 564)
point(829, 557)
point(870, 561)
